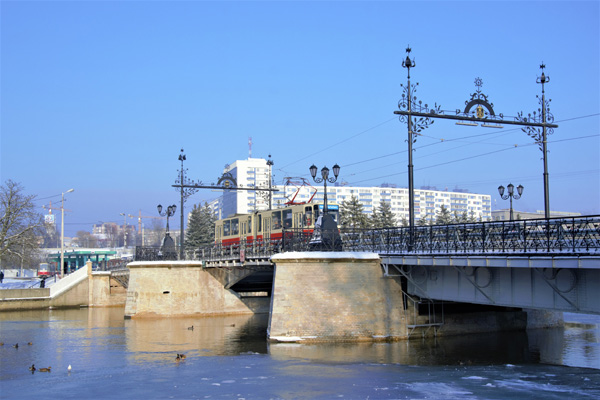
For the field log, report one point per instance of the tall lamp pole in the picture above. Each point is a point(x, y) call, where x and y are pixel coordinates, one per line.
point(124, 229)
point(408, 64)
point(511, 195)
point(62, 231)
point(181, 181)
point(545, 117)
point(270, 165)
point(181, 158)
point(543, 79)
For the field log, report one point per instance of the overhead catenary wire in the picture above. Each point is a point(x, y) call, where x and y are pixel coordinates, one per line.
point(512, 147)
point(438, 141)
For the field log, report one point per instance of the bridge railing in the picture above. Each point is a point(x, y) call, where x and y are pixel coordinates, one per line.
point(574, 235)
point(568, 236)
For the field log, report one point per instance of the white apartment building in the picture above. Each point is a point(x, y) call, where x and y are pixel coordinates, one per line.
point(254, 172)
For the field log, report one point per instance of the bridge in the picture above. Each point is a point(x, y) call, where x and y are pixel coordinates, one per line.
point(551, 264)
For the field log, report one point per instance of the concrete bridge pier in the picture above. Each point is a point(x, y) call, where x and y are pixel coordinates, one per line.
point(182, 288)
point(334, 296)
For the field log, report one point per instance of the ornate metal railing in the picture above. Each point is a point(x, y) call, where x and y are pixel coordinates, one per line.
point(566, 236)
point(576, 236)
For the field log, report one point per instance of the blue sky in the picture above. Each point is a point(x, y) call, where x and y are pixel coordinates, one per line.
point(101, 96)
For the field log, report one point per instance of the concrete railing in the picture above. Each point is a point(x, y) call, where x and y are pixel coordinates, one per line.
point(68, 282)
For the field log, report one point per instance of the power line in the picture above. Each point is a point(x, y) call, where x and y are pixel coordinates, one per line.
point(471, 157)
point(336, 144)
point(442, 140)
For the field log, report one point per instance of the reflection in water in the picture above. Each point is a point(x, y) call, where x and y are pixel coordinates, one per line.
point(484, 349)
point(151, 339)
point(96, 336)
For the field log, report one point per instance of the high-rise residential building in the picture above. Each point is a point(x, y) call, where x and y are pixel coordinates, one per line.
point(255, 172)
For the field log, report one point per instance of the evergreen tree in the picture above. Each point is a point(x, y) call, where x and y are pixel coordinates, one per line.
point(383, 217)
point(472, 218)
point(201, 227)
point(423, 222)
point(352, 215)
point(461, 218)
point(443, 216)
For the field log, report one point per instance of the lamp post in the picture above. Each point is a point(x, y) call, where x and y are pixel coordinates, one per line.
point(124, 229)
point(511, 195)
point(543, 79)
point(168, 245)
point(330, 235)
point(325, 178)
point(169, 212)
point(270, 165)
point(184, 192)
point(62, 231)
point(181, 158)
point(408, 64)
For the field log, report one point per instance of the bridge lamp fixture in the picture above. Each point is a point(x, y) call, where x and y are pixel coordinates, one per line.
point(511, 195)
point(169, 212)
point(325, 178)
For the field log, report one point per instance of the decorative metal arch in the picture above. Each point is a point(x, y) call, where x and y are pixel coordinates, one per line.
point(480, 100)
point(227, 181)
point(419, 117)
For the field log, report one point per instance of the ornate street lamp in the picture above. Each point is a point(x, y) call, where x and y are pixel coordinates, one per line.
point(169, 212)
point(511, 195)
point(325, 178)
point(168, 245)
point(329, 233)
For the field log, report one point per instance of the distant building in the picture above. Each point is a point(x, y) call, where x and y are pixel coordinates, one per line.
point(254, 172)
point(504, 215)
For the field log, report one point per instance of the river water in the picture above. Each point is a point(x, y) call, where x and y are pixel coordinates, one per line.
point(229, 358)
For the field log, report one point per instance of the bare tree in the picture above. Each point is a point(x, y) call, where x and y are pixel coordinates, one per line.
point(112, 232)
point(155, 234)
point(86, 239)
point(20, 225)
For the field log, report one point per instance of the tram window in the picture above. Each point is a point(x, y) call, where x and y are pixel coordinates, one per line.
point(249, 225)
point(226, 228)
point(235, 226)
point(316, 212)
point(276, 215)
point(308, 220)
point(287, 219)
point(259, 222)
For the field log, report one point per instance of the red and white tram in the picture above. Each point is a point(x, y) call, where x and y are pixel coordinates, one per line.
point(270, 225)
